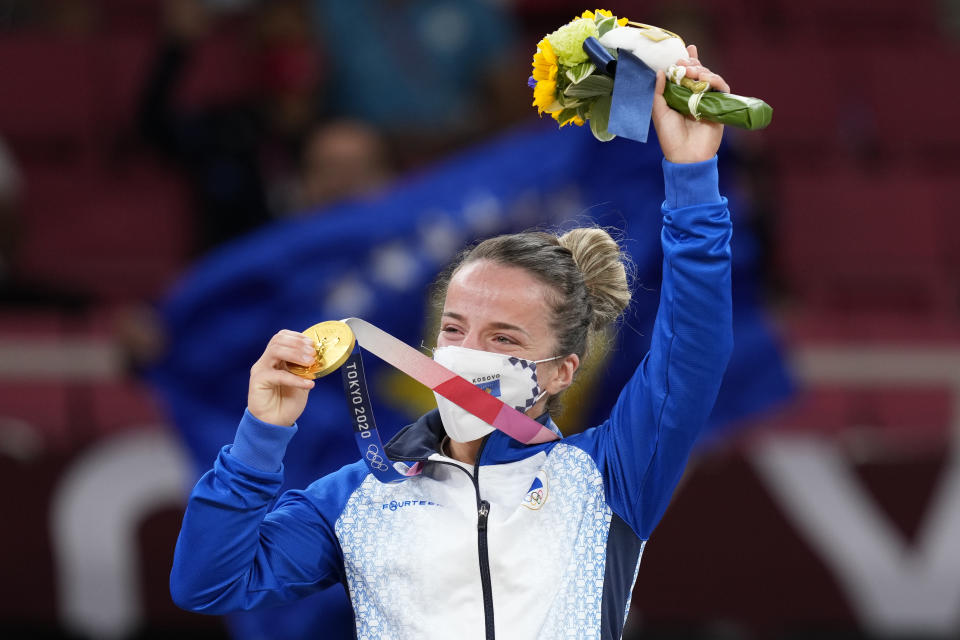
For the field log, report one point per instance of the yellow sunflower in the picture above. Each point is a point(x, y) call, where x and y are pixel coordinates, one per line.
point(544, 62)
point(603, 12)
point(545, 75)
point(575, 119)
point(544, 95)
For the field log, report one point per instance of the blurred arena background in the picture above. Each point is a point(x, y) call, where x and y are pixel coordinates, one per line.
point(150, 147)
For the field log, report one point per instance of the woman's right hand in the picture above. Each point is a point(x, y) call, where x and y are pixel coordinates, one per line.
point(683, 139)
point(277, 396)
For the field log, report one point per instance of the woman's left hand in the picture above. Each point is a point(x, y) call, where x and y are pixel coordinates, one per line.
point(683, 139)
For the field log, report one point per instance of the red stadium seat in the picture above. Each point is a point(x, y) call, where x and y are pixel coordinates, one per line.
point(124, 404)
point(822, 22)
point(850, 239)
point(20, 324)
point(131, 15)
point(114, 236)
point(48, 91)
point(770, 73)
point(43, 407)
point(898, 326)
point(914, 109)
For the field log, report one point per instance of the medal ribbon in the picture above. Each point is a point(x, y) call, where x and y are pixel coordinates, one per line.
point(431, 374)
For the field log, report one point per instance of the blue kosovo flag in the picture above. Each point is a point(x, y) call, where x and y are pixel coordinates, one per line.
point(376, 259)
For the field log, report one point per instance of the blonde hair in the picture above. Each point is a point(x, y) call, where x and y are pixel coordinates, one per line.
point(603, 265)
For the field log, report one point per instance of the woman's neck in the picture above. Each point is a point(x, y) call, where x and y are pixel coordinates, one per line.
point(465, 452)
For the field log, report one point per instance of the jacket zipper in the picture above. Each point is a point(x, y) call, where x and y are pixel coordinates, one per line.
point(483, 511)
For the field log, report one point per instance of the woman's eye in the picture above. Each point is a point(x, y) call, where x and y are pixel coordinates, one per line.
point(449, 329)
point(503, 340)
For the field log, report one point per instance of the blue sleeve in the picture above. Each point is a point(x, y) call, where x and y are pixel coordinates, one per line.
point(235, 552)
point(643, 447)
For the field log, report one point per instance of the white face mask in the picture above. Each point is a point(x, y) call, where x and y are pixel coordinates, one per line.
point(513, 380)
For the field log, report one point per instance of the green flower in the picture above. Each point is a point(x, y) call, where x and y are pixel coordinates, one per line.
point(567, 41)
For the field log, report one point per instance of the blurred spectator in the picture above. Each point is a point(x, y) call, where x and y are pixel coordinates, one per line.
point(232, 152)
point(341, 160)
point(949, 19)
point(70, 17)
point(414, 65)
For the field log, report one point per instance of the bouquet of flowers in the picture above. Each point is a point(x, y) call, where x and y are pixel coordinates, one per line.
point(575, 70)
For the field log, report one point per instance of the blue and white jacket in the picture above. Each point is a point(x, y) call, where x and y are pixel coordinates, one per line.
point(540, 541)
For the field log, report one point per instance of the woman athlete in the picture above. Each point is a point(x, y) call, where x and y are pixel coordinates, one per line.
point(495, 538)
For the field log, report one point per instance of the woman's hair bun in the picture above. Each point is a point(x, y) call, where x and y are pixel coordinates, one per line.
point(603, 265)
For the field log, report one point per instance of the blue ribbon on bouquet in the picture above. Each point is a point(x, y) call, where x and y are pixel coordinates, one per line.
point(634, 84)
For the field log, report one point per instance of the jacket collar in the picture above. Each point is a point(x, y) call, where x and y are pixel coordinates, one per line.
point(420, 440)
point(417, 441)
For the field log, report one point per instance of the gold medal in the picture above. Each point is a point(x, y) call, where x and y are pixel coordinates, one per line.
point(333, 341)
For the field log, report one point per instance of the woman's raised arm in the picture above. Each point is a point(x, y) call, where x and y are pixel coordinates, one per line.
point(643, 447)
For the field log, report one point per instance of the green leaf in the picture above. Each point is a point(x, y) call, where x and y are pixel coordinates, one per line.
point(562, 82)
point(566, 114)
point(595, 85)
point(600, 118)
point(605, 25)
point(739, 111)
point(567, 102)
point(579, 72)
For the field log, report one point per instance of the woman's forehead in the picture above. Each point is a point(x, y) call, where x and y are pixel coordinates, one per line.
point(501, 293)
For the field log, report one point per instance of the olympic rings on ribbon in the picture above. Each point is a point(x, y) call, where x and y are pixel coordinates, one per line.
point(376, 460)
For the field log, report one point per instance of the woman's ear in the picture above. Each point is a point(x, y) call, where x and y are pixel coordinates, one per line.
point(566, 367)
